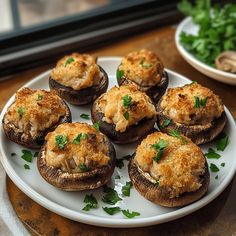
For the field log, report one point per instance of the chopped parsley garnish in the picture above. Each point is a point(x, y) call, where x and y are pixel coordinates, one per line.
point(13, 154)
point(127, 101)
point(159, 148)
point(127, 157)
point(39, 98)
point(36, 154)
point(69, 60)
point(91, 202)
point(211, 154)
point(214, 168)
point(96, 126)
point(85, 116)
point(193, 82)
point(200, 102)
point(111, 196)
point(176, 134)
point(79, 137)
point(119, 74)
point(111, 210)
point(129, 214)
point(222, 164)
point(117, 177)
point(157, 183)
point(126, 115)
point(21, 111)
point(165, 123)
point(126, 189)
point(145, 64)
point(119, 163)
point(217, 177)
point(222, 143)
point(83, 167)
point(27, 155)
point(27, 167)
point(61, 141)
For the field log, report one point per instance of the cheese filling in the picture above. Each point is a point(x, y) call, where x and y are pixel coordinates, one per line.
point(191, 104)
point(179, 166)
point(77, 71)
point(76, 147)
point(34, 111)
point(142, 67)
point(125, 106)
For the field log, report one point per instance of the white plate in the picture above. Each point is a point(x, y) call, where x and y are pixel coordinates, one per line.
point(70, 204)
point(189, 27)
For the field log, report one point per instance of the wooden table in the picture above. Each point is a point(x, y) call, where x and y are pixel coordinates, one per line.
point(217, 218)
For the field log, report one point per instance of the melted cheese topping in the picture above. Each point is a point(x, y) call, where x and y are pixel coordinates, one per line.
point(35, 110)
point(90, 151)
point(143, 67)
point(112, 106)
point(77, 71)
point(179, 104)
point(180, 166)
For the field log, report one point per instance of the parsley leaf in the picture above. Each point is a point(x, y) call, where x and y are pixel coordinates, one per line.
point(83, 167)
point(91, 202)
point(111, 210)
point(27, 155)
point(222, 164)
point(21, 111)
point(214, 168)
point(27, 167)
point(126, 115)
point(111, 196)
point(96, 126)
point(117, 177)
point(200, 102)
point(176, 134)
point(222, 143)
point(217, 177)
point(129, 214)
point(126, 188)
point(69, 61)
point(127, 101)
point(85, 116)
point(40, 97)
point(119, 163)
point(211, 154)
point(119, 74)
point(159, 147)
point(165, 123)
point(36, 154)
point(78, 138)
point(61, 141)
point(13, 154)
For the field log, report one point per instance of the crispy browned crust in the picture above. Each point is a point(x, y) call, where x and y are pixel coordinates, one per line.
point(160, 195)
point(154, 92)
point(83, 96)
point(77, 181)
point(14, 135)
point(199, 134)
point(132, 133)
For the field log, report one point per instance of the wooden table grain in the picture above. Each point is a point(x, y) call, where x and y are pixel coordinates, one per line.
point(217, 218)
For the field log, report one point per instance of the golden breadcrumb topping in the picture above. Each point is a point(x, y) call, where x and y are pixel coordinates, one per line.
point(76, 147)
point(191, 104)
point(143, 67)
point(125, 106)
point(35, 110)
point(77, 71)
point(177, 169)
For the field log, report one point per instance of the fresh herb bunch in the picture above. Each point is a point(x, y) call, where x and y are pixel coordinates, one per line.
point(216, 29)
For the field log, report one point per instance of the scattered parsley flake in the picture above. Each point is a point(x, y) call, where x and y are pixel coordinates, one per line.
point(85, 116)
point(217, 177)
point(39, 98)
point(27, 155)
point(13, 154)
point(21, 111)
point(193, 82)
point(117, 177)
point(96, 126)
point(129, 214)
point(83, 167)
point(214, 168)
point(126, 188)
point(126, 115)
point(165, 123)
point(61, 141)
point(200, 102)
point(119, 74)
point(159, 148)
point(222, 164)
point(111, 210)
point(36, 154)
point(120, 163)
point(176, 134)
point(211, 154)
point(27, 167)
point(127, 101)
point(69, 61)
point(111, 196)
point(91, 202)
point(222, 143)
point(79, 137)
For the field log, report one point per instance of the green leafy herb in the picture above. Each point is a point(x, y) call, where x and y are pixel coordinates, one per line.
point(127, 101)
point(39, 98)
point(214, 168)
point(165, 123)
point(203, 102)
point(119, 74)
point(79, 137)
point(222, 143)
point(21, 111)
point(176, 134)
point(200, 102)
point(27, 167)
point(61, 141)
point(96, 126)
point(193, 82)
point(157, 183)
point(69, 60)
point(117, 177)
point(91, 202)
point(83, 167)
point(126, 189)
point(27, 155)
point(119, 163)
point(126, 115)
point(111, 196)
point(36, 154)
point(111, 210)
point(216, 29)
point(85, 116)
point(13, 154)
point(222, 164)
point(159, 147)
point(217, 177)
point(129, 214)
point(145, 64)
point(211, 154)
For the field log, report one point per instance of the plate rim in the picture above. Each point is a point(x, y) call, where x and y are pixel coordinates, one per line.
point(100, 220)
point(192, 58)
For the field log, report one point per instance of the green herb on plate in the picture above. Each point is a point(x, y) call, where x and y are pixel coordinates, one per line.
point(111, 210)
point(85, 116)
point(27, 155)
point(111, 196)
point(222, 143)
point(126, 188)
point(211, 154)
point(214, 168)
point(129, 214)
point(27, 167)
point(223, 164)
point(119, 74)
point(91, 202)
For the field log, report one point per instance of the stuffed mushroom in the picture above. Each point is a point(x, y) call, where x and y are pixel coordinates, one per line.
point(169, 170)
point(33, 114)
point(76, 157)
point(145, 69)
point(78, 79)
point(193, 110)
point(124, 114)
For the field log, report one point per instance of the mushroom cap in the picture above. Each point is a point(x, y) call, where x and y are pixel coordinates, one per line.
point(226, 61)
